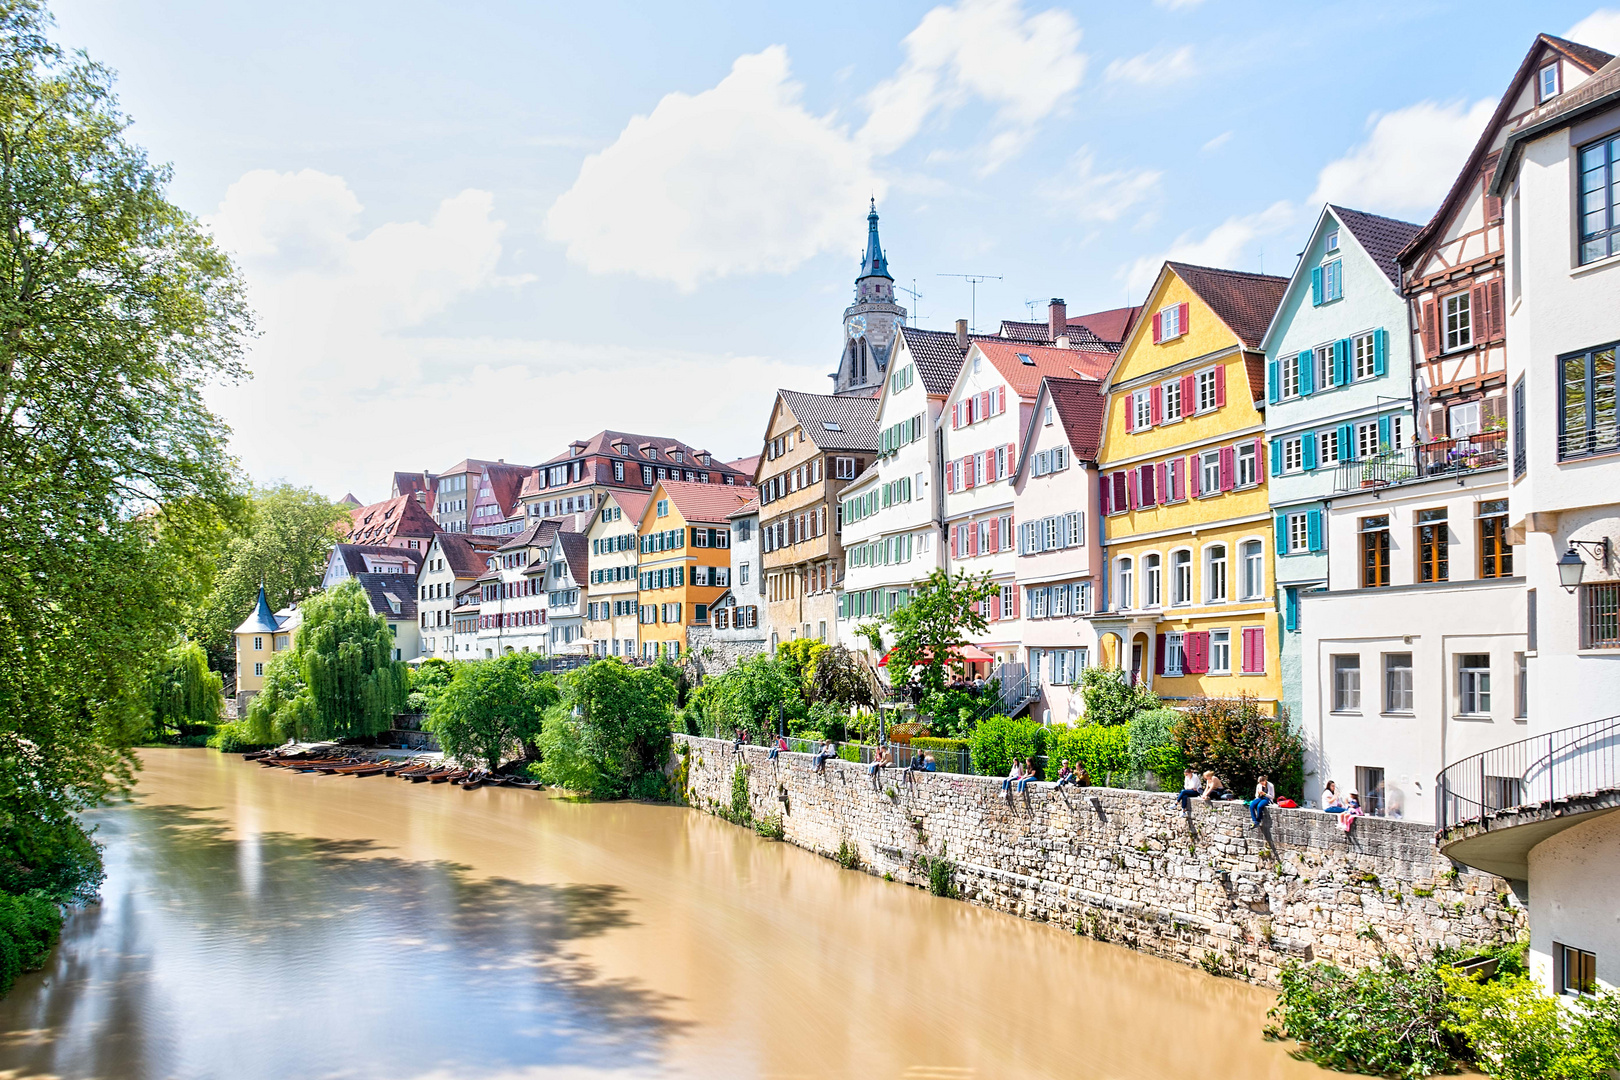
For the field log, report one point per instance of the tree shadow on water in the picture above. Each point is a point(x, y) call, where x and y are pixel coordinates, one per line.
point(280, 955)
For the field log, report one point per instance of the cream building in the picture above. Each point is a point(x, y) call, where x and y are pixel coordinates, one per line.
point(611, 607)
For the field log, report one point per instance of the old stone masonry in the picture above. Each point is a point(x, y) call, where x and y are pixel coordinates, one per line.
point(1129, 866)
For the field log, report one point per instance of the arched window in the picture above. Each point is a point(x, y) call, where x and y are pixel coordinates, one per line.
point(1254, 571)
point(1125, 585)
point(1152, 582)
point(854, 363)
point(863, 359)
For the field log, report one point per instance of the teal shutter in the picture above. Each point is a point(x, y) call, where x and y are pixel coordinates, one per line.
point(1380, 351)
point(1308, 447)
point(1276, 458)
point(843, 605)
point(1347, 443)
point(1271, 384)
point(1307, 371)
point(1281, 541)
point(1291, 608)
point(1341, 362)
point(1313, 530)
point(1383, 432)
point(1316, 286)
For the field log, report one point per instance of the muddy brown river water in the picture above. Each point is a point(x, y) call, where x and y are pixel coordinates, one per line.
point(259, 923)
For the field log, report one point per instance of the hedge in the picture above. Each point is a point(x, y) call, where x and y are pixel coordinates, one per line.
point(1105, 750)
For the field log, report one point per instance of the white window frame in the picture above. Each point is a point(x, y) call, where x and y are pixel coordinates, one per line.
point(1389, 690)
point(1472, 413)
point(1363, 357)
point(1324, 367)
point(1142, 409)
point(1248, 466)
point(1252, 556)
point(1331, 241)
point(1205, 385)
point(1124, 583)
point(1209, 463)
point(1181, 592)
point(1367, 440)
point(845, 467)
point(1327, 447)
point(1293, 454)
point(1543, 89)
point(1346, 698)
point(1217, 574)
point(1174, 655)
point(1152, 580)
point(1473, 686)
point(1288, 377)
point(1170, 323)
point(1456, 321)
point(1220, 644)
point(1299, 533)
point(1172, 400)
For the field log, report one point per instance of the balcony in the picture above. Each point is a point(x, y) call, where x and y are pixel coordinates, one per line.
point(1424, 461)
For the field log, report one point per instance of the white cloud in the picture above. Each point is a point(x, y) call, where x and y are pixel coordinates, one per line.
point(1409, 159)
point(1177, 5)
point(739, 179)
point(1153, 68)
point(347, 386)
point(1026, 65)
point(1601, 30)
point(1228, 245)
point(1094, 196)
point(1218, 141)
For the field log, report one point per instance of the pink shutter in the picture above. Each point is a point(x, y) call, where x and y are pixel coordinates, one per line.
point(995, 606)
point(1186, 310)
point(1135, 491)
point(1220, 385)
point(1122, 498)
point(1158, 405)
point(995, 534)
point(973, 538)
point(1163, 479)
point(1259, 461)
point(1228, 467)
point(1158, 328)
point(1189, 387)
point(984, 405)
point(1130, 412)
point(1012, 458)
point(1105, 488)
point(968, 478)
point(1192, 476)
point(1014, 607)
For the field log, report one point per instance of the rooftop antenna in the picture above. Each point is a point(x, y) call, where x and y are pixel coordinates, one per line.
point(973, 281)
point(1031, 305)
point(912, 292)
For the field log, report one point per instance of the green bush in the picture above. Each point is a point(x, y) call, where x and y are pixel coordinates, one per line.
point(1111, 697)
point(929, 742)
point(611, 731)
point(951, 712)
point(29, 928)
point(1104, 750)
point(1519, 1033)
point(1380, 1021)
point(53, 857)
point(1153, 749)
point(1234, 738)
point(998, 741)
point(235, 738)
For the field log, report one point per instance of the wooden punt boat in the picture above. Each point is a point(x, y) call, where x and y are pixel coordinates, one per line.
point(447, 774)
point(371, 769)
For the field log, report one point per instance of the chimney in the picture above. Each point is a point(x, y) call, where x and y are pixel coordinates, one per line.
point(961, 333)
point(1057, 316)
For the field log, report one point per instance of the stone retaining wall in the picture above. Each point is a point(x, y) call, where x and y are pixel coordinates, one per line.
point(1129, 866)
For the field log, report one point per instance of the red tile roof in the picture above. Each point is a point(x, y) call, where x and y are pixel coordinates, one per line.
point(1112, 326)
point(381, 522)
point(1080, 405)
point(576, 549)
point(1244, 302)
point(708, 503)
point(1025, 378)
point(506, 484)
point(632, 502)
point(745, 465)
point(747, 508)
point(466, 555)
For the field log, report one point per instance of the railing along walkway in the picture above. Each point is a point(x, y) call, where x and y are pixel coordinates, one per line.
point(1574, 762)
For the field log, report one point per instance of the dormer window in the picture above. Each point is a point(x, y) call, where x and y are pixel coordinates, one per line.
point(652, 453)
point(1547, 82)
point(676, 457)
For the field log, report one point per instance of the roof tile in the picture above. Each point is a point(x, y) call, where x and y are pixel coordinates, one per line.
point(1244, 302)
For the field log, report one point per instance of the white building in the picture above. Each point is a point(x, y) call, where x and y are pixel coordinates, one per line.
point(735, 632)
point(566, 597)
point(512, 603)
point(349, 560)
point(1055, 487)
point(452, 563)
point(611, 606)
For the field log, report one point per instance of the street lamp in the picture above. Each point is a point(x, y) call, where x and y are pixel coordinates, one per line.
point(1571, 566)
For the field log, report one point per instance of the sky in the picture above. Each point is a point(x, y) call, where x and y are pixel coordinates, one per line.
point(485, 230)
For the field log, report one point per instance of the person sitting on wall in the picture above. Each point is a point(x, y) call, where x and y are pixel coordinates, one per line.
point(879, 761)
point(1190, 786)
point(929, 764)
point(778, 746)
point(1013, 775)
point(828, 750)
point(1265, 793)
point(1065, 775)
point(1332, 801)
point(1347, 817)
point(1029, 774)
point(1081, 777)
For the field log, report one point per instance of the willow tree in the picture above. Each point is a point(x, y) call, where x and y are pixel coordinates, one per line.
point(185, 697)
point(346, 657)
point(116, 313)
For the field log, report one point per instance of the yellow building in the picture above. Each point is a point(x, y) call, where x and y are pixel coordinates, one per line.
point(260, 636)
point(685, 559)
point(1187, 603)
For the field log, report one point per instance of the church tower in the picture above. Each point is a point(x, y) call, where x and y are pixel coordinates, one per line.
point(871, 323)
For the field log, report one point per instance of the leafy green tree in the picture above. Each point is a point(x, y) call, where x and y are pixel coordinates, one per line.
point(1111, 697)
point(1240, 742)
point(117, 312)
point(427, 681)
point(186, 698)
point(284, 544)
point(1520, 1033)
point(937, 622)
point(611, 736)
point(281, 710)
point(837, 676)
point(748, 695)
point(492, 708)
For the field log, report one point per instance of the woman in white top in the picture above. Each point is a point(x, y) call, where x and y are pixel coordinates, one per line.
point(1332, 801)
point(1264, 794)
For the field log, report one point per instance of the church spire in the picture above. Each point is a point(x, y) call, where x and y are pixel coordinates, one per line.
point(874, 265)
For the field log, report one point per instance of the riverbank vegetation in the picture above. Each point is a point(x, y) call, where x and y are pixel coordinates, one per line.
point(610, 735)
point(488, 710)
point(117, 312)
point(184, 698)
point(1426, 1019)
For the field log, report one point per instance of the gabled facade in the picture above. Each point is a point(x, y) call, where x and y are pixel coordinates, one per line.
point(261, 635)
point(612, 610)
point(453, 563)
point(454, 492)
point(1054, 491)
point(512, 608)
point(1187, 599)
point(736, 630)
point(1452, 270)
point(566, 595)
point(685, 564)
point(347, 560)
point(980, 430)
point(574, 482)
point(1339, 379)
point(494, 510)
point(815, 444)
point(401, 522)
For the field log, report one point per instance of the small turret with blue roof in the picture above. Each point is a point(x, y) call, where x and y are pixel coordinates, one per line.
point(263, 620)
point(872, 322)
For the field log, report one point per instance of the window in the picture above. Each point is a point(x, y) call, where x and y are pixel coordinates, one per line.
point(1170, 322)
point(1364, 358)
point(1458, 324)
point(844, 468)
point(1600, 616)
point(742, 573)
point(1142, 410)
point(1519, 462)
point(1215, 574)
point(1600, 201)
point(1474, 684)
point(1254, 570)
point(1126, 588)
point(1248, 464)
point(1324, 367)
point(1434, 545)
point(1577, 970)
point(1331, 242)
point(1367, 444)
point(663, 508)
point(1465, 420)
point(1181, 583)
point(1172, 400)
point(1327, 447)
point(1521, 687)
point(1586, 414)
point(1152, 582)
point(1174, 656)
point(1347, 684)
point(1547, 82)
point(1220, 652)
point(1495, 553)
point(1299, 533)
point(1370, 786)
point(1048, 416)
point(258, 644)
point(1293, 457)
point(1375, 551)
point(1207, 390)
point(1210, 466)
point(258, 669)
point(1332, 278)
point(1289, 371)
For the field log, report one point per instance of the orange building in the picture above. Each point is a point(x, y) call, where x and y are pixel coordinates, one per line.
point(685, 559)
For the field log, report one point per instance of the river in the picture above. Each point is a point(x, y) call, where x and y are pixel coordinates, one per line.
point(260, 923)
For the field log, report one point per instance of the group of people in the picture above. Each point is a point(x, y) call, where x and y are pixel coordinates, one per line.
point(1022, 772)
point(1207, 788)
point(1334, 803)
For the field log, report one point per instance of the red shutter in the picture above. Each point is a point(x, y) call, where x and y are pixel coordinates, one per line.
point(984, 405)
point(1158, 405)
point(1162, 485)
point(1260, 471)
point(1104, 489)
point(1189, 388)
point(1220, 386)
point(956, 415)
point(995, 534)
point(1158, 328)
point(1135, 491)
point(995, 606)
point(1228, 468)
point(1158, 654)
point(1431, 347)
point(1178, 479)
point(1186, 311)
point(1130, 412)
point(1192, 476)
point(1493, 301)
point(1012, 458)
point(1012, 613)
point(1196, 648)
point(1254, 649)
point(1122, 497)
point(1480, 313)
point(968, 471)
point(973, 538)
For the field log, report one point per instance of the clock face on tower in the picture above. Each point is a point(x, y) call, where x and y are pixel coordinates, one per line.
point(856, 326)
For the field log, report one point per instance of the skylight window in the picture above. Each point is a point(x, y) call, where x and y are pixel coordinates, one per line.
point(830, 426)
point(1025, 358)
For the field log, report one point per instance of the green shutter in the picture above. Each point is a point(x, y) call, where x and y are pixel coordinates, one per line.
point(1313, 530)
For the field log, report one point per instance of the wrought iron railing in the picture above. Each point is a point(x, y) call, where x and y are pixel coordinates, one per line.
point(1424, 461)
point(1577, 761)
